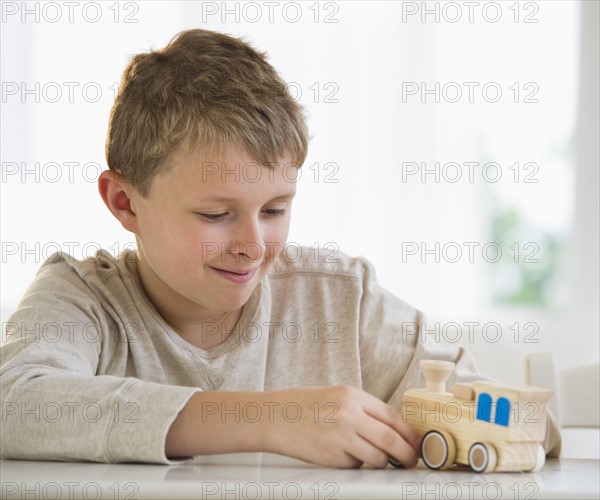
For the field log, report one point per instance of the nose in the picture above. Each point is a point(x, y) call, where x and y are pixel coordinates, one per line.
point(247, 240)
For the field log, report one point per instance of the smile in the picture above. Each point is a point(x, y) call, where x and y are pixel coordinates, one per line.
point(236, 277)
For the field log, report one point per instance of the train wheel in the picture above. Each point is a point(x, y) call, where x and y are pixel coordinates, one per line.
point(482, 457)
point(438, 449)
point(540, 459)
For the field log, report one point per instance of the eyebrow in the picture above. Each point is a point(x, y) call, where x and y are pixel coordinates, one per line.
point(284, 196)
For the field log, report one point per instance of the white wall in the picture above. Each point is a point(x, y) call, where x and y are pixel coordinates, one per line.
point(370, 133)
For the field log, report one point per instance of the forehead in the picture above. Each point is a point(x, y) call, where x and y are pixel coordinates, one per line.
point(229, 174)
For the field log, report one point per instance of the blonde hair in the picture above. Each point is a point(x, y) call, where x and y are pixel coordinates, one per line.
point(204, 91)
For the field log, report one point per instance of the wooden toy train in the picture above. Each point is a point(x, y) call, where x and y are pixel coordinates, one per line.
point(483, 425)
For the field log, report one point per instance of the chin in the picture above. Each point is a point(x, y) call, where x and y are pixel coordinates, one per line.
point(236, 300)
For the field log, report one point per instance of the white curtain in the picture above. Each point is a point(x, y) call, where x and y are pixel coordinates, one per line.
point(362, 70)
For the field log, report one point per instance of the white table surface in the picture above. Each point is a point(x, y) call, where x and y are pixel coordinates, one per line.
point(265, 476)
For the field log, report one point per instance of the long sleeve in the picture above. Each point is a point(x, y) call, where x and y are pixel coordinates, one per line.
point(54, 404)
point(393, 342)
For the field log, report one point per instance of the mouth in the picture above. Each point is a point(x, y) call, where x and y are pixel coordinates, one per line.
point(237, 276)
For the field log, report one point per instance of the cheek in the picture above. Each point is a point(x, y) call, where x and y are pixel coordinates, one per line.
point(204, 242)
point(180, 242)
point(158, 225)
point(275, 239)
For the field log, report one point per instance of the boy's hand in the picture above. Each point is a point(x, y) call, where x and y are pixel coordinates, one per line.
point(339, 426)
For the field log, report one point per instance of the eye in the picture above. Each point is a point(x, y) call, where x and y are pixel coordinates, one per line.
point(272, 212)
point(213, 217)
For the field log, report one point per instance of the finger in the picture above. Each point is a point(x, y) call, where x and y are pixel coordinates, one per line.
point(393, 418)
point(345, 461)
point(389, 441)
point(408, 433)
point(351, 462)
point(363, 450)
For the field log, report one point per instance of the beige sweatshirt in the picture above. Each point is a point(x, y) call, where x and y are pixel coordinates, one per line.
point(91, 371)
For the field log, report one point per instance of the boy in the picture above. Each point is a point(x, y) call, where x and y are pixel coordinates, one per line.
point(209, 338)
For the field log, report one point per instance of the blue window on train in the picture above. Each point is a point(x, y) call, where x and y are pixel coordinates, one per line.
point(484, 407)
point(502, 411)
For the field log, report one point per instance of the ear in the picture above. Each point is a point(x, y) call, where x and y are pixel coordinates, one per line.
point(117, 194)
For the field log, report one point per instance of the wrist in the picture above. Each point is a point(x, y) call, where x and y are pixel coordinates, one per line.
point(266, 433)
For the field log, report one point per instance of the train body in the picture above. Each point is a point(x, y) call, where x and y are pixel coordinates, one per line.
point(483, 425)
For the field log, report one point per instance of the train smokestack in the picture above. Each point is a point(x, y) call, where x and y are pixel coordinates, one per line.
point(436, 374)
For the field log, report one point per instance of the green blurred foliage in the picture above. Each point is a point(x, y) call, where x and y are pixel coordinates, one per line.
point(526, 272)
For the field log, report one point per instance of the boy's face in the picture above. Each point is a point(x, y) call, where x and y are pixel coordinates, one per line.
point(208, 214)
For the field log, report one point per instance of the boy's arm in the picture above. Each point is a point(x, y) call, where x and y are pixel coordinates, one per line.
point(335, 426)
point(53, 405)
point(55, 408)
